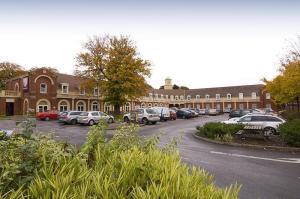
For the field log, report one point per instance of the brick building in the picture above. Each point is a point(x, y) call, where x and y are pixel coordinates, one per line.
point(43, 90)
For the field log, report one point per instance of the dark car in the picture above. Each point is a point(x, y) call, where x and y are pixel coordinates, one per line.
point(238, 113)
point(183, 114)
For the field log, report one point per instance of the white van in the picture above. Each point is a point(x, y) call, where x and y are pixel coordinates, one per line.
point(164, 113)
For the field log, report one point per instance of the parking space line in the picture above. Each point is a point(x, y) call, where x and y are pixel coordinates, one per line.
point(285, 160)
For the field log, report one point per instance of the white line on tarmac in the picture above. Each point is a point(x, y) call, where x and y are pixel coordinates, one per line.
point(285, 160)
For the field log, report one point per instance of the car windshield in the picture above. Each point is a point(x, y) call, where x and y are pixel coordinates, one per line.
point(64, 113)
point(150, 111)
point(84, 114)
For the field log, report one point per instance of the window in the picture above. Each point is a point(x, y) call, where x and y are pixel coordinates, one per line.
point(241, 106)
point(127, 107)
point(254, 106)
point(162, 96)
point(64, 88)
point(96, 92)
point(241, 96)
point(63, 106)
point(156, 96)
point(228, 96)
point(245, 119)
point(166, 96)
point(253, 95)
point(273, 119)
point(95, 114)
point(172, 97)
point(81, 91)
point(197, 96)
point(107, 107)
point(43, 88)
point(207, 97)
point(43, 106)
point(181, 97)
point(155, 105)
point(80, 106)
point(176, 97)
point(188, 97)
point(149, 105)
point(217, 96)
point(268, 96)
point(95, 106)
point(142, 105)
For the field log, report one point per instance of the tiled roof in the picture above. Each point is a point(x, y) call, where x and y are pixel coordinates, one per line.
point(223, 91)
point(73, 81)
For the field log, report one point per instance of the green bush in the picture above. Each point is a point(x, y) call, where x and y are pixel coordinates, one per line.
point(290, 131)
point(219, 131)
point(124, 167)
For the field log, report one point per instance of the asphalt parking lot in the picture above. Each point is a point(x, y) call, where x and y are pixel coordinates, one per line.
point(262, 173)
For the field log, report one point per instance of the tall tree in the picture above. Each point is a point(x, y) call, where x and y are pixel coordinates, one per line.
point(285, 88)
point(9, 70)
point(113, 64)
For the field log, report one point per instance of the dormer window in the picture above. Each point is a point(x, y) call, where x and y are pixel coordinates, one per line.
point(228, 96)
point(172, 97)
point(81, 91)
point(188, 97)
point(166, 96)
point(241, 96)
point(207, 97)
point(150, 95)
point(181, 97)
point(43, 88)
point(217, 96)
point(197, 96)
point(96, 92)
point(156, 96)
point(162, 96)
point(253, 95)
point(268, 96)
point(65, 88)
point(176, 97)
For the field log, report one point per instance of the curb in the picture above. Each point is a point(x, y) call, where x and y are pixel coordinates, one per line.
point(274, 148)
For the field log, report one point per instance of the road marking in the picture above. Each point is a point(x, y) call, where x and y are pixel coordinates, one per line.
point(286, 160)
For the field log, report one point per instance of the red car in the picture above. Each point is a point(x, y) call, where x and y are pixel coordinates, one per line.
point(49, 115)
point(173, 115)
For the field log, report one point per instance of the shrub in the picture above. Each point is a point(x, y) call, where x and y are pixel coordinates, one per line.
point(124, 167)
point(290, 131)
point(220, 131)
point(290, 115)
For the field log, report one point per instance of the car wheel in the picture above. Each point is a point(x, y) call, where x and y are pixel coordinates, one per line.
point(183, 117)
point(73, 122)
point(47, 118)
point(145, 121)
point(126, 119)
point(110, 120)
point(153, 122)
point(269, 131)
point(91, 122)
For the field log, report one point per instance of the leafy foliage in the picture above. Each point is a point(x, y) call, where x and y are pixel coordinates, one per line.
point(8, 71)
point(290, 131)
point(124, 167)
point(113, 64)
point(219, 131)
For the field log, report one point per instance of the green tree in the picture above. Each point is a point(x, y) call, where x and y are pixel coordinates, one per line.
point(9, 70)
point(113, 64)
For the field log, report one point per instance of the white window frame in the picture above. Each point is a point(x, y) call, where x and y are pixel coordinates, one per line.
point(218, 96)
point(166, 96)
point(80, 107)
point(80, 92)
point(62, 88)
point(188, 97)
point(253, 95)
point(228, 96)
point(45, 89)
point(197, 97)
point(241, 96)
point(181, 97)
point(207, 97)
point(268, 96)
point(96, 93)
point(176, 97)
point(63, 107)
point(94, 105)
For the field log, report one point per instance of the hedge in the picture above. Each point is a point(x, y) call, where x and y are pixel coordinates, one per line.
point(290, 132)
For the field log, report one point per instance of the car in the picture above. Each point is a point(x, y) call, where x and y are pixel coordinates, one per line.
point(194, 114)
point(47, 115)
point(164, 113)
point(142, 115)
point(183, 114)
point(212, 111)
point(227, 110)
point(93, 117)
point(238, 113)
point(69, 117)
point(202, 111)
point(266, 122)
point(173, 115)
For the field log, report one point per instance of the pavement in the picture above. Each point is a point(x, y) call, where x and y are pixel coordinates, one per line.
point(262, 173)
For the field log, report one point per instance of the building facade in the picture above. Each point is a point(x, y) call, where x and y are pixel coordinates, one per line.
point(43, 90)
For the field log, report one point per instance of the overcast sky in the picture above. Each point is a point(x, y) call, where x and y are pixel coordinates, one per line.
point(196, 43)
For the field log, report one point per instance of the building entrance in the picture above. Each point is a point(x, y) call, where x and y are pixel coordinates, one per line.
point(9, 108)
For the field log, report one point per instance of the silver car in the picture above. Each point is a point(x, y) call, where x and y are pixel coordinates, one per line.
point(69, 117)
point(93, 117)
point(142, 115)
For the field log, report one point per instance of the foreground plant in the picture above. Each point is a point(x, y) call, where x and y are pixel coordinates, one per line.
point(124, 167)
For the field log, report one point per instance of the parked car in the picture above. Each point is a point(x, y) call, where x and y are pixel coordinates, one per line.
point(212, 111)
point(238, 113)
point(93, 117)
point(266, 122)
point(173, 115)
point(142, 115)
point(202, 111)
point(69, 117)
point(163, 112)
point(174, 108)
point(48, 115)
point(183, 114)
point(227, 110)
